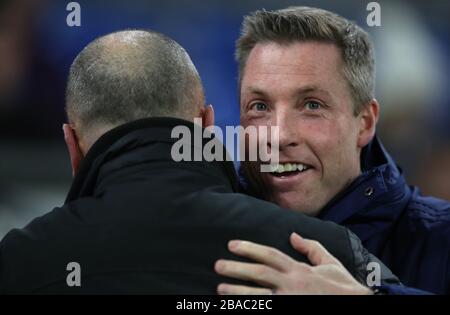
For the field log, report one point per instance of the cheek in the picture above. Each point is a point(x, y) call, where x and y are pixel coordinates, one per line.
point(339, 152)
point(247, 120)
point(331, 141)
point(323, 136)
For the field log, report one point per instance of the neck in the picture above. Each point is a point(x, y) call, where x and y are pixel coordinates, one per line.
point(143, 141)
point(90, 136)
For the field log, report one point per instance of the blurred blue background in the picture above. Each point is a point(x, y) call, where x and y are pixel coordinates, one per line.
point(37, 48)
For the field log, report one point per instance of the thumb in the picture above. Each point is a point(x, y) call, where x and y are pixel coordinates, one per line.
point(315, 252)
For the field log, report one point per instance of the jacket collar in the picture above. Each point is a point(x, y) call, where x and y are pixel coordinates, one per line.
point(378, 195)
point(120, 141)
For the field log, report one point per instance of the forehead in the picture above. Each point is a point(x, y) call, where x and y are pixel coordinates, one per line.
point(296, 63)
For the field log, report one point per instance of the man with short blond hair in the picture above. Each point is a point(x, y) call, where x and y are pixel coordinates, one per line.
point(311, 72)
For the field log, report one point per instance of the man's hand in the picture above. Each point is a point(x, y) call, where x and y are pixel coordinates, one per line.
point(278, 273)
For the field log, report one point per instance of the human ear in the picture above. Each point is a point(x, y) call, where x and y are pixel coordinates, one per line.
point(73, 146)
point(368, 118)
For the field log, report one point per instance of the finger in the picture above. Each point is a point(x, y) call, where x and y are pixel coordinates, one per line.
point(213, 114)
point(315, 252)
point(260, 253)
point(257, 273)
point(231, 289)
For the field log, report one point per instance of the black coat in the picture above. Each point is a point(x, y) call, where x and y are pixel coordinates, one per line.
point(138, 222)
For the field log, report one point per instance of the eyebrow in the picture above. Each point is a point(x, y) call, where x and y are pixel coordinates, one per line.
point(302, 90)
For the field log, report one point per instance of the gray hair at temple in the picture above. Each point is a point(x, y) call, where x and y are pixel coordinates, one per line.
point(297, 24)
point(129, 75)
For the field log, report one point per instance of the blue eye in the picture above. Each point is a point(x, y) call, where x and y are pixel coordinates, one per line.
point(259, 106)
point(313, 105)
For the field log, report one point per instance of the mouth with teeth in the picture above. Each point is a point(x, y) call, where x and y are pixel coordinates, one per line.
point(288, 169)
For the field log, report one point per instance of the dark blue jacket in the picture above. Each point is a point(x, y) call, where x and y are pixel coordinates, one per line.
point(410, 233)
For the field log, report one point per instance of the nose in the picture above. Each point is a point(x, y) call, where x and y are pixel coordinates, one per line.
point(287, 125)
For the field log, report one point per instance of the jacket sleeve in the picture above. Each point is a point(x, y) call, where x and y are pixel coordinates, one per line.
point(388, 283)
point(399, 289)
point(369, 270)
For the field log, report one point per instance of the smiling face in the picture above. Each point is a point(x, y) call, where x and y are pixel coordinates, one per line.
point(300, 88)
